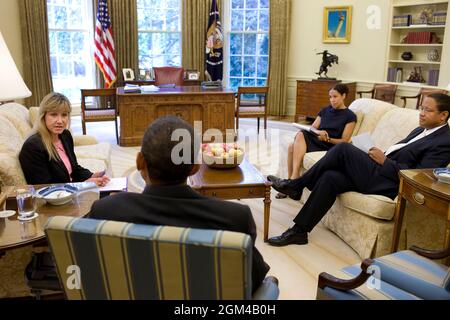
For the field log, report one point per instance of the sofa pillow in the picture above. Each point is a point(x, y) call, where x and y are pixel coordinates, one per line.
point(359, 120)
point(11, 172)
point(394, 126)
point(373, 110)
point(34, 116)
point(10, 138)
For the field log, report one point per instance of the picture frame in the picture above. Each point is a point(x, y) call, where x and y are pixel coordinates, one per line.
point(128, 74)
point(192, 75)
point(337, 24)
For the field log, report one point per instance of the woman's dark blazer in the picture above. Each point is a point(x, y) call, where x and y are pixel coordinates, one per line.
point(37, 167)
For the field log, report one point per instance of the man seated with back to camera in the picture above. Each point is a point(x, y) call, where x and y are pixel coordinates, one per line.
point(168, 200)
point(345, 168)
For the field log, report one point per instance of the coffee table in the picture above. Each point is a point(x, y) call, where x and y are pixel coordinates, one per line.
point(14, 234)
point(243, 182)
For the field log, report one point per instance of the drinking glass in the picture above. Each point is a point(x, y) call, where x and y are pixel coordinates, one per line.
point(26, 202)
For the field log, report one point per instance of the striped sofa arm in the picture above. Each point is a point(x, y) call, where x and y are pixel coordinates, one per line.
point(98, 259)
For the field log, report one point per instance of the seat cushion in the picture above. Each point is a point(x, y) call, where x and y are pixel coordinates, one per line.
point(251, 110)
point(373, 289)
point(101, 151)
point(102, 114)
point(311, 158)
point(371, 205)
point(415, 274)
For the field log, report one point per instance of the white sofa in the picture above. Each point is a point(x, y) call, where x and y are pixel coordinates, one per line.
point(16, 124)
point(365, 222)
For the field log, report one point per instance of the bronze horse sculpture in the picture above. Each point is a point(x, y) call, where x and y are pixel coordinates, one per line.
point(327, 61)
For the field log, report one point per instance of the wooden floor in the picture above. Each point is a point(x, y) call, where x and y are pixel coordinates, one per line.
point(296, 267)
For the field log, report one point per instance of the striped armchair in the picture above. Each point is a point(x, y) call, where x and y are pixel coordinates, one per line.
point(97, 259)
point(403, 275)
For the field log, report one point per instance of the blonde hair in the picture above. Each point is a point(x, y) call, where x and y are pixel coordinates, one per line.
point(52, 102)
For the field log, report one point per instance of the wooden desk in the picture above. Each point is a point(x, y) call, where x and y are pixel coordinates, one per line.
point(152, 82)
point(15, 234)
point(243, 182)
point(420, 188)
point(215, 108)
point(312, 96)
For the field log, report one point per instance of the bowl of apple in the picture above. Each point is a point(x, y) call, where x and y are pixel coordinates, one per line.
point(222, 155)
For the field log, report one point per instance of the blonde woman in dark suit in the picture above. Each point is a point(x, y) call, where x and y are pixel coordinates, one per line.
point(48, 156)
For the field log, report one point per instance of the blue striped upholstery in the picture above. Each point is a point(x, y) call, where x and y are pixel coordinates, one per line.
point(413, 273)
point(129, 261)
point(379, 290)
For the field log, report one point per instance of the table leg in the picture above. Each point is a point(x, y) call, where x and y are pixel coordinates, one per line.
point(447, 242)
point(267, 203)
point(398, 220)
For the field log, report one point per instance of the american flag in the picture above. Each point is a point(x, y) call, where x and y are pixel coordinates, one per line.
point(105, 54)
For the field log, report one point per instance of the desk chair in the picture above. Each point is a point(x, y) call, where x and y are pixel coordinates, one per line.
point(383, 92)
point(121, 260)
point(423, 92)
point(105, 100)
point(252, 103)
point(404, 275)
point(169, 75)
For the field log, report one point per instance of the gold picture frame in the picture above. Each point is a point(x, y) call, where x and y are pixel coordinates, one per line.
point(337, 24)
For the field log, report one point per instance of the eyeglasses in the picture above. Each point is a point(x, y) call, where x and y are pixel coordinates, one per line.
point(428, 110)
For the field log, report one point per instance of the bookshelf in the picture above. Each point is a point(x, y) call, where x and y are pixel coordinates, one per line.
point(420, 28)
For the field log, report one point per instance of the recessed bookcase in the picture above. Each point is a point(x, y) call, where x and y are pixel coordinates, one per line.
point(410, 33)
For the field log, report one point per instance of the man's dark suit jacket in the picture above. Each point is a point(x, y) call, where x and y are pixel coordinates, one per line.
point(181, 206)
point(432, 151)
point(38, 169)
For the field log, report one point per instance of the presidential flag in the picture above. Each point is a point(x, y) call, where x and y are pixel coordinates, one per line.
point(214, 44)
point(105, 54)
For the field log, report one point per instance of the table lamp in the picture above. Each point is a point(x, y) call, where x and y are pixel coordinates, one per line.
point(11, 82)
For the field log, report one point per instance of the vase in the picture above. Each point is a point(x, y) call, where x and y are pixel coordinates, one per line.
point(407, 55)
point(433, 55)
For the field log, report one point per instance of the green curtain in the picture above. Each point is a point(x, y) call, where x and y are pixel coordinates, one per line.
point(125, 33)
point(195, 16)
point(280, 16)
point(36, 51)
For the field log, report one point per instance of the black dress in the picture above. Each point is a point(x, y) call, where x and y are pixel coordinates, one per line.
point(332, 121)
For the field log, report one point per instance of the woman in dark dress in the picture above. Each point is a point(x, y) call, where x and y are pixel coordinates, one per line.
point(334, 123)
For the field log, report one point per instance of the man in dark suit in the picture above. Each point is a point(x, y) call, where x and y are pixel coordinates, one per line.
point(345, 168)
point(168, 200)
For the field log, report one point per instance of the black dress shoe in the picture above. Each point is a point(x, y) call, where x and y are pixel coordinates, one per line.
point(291, 236)
point(284, 186)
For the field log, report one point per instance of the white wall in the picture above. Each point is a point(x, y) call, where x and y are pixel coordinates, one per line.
point(10, 28)
point(363, 59)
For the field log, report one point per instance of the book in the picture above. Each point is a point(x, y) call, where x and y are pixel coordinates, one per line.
point(131, 88)
point(150, 88)
point(363, 142)
point(306, 128)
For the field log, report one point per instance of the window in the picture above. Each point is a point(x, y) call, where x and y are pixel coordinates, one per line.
point(70, 25)
point(159, 37)
point(247, 23)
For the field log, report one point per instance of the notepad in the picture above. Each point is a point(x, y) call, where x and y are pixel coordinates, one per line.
point(363, 142)
point(116, 184)
point(306, 128)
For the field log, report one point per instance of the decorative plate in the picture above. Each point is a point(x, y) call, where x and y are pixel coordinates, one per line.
point(57, 195)
point(442, 174)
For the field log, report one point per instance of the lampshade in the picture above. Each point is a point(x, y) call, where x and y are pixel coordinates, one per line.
point(448, 87)
point(11, 82)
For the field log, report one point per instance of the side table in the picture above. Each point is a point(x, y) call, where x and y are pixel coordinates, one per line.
point(420, 188)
